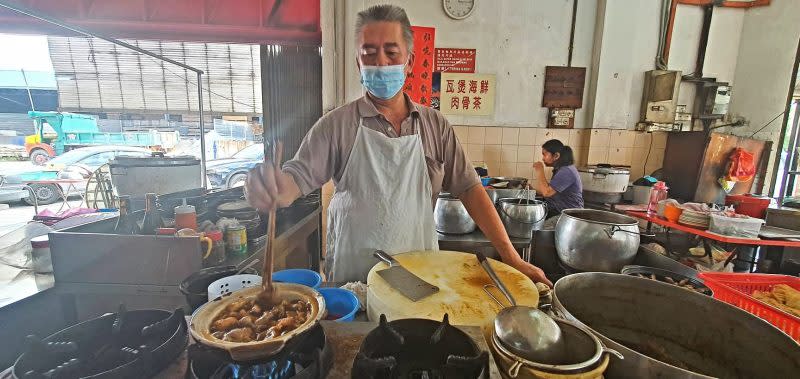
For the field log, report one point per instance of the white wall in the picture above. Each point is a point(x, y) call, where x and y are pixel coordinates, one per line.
point(628, 37)
point(766, 57)
point(515, 39)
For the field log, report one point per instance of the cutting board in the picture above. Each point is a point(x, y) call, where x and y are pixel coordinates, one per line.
point(460, 279)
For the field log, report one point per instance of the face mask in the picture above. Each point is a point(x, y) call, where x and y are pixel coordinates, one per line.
point(383, 82)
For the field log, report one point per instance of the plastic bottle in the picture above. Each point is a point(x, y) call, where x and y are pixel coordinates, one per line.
point(185, 216)
point(152, 217)
point(658, 193)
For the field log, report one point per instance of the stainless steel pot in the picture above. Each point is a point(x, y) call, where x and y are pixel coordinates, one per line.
point(451, 216)
point(593, 240)
point(522, 216)
point(584, 352)
point(604, 178)
point(659, 327)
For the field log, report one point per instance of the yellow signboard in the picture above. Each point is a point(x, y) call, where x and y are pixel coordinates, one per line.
point(467, 94)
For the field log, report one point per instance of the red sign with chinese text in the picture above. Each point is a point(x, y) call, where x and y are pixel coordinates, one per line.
point(455, 60)
point(418, 83)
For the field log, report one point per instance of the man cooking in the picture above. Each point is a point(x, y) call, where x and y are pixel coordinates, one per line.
point(389, 159)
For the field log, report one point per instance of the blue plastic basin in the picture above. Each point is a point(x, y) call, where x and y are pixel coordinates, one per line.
point(298, 276)
point(340, 302)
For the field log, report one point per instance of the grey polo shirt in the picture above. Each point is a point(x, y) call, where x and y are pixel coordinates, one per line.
point(326, 148)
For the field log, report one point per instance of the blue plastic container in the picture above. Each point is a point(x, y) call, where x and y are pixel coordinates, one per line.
point(485, 181)
point(298, 276)
point(340, 302)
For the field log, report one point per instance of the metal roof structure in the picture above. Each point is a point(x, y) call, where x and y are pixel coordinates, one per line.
point(94, 75)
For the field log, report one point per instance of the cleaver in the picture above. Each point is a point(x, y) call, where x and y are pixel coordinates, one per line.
point(408, 284)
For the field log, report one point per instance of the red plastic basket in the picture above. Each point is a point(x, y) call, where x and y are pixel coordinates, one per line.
point(736, 289)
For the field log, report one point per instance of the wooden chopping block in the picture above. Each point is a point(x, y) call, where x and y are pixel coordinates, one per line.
point(460, 279)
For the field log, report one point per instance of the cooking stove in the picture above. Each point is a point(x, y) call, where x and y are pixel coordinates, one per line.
point(125, 344)
point(310, 358)
point(156, 344)
point(419, 348)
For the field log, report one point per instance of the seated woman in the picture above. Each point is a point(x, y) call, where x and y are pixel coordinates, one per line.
point(564, 191)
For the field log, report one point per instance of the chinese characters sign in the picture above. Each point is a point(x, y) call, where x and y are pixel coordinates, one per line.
point(467, 94)
point(418, 83)
point(455, 60)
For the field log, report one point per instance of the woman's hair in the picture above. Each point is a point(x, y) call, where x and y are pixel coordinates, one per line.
point(565, 157)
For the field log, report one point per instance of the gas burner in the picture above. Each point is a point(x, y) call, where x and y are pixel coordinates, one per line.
point(419, 348)
point(307, 358)
point(126, 344)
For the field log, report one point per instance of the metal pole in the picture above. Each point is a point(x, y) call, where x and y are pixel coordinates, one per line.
point(202, 128)
point(28, 88)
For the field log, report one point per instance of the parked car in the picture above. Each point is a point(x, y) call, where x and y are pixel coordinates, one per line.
point(232, 172)
point(77, 163)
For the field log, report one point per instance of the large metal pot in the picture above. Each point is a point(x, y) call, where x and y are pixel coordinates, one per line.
point(451, 216)
point(668, 332)
point(136, 176)
point(604, 178)
point(522, 216)
point(593, 240)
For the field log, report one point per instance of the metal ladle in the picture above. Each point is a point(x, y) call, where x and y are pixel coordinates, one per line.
point(525, 331)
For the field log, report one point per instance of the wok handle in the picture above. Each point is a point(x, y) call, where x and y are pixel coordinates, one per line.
point(513, 370)
point(616, 228)
point(380, 254)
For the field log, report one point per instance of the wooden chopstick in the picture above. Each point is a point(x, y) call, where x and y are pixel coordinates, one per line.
point(266, 279)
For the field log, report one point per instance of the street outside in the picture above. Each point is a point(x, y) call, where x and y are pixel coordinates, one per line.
point(19, 213)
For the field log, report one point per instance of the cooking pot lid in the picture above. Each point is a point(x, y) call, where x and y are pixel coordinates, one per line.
point(236, 206)
point(605, 169)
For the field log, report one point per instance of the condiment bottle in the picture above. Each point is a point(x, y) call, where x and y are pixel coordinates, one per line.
point(152, 217)
point(126, 224)
point(217, 256)
point(658, 193)
point(185, 216)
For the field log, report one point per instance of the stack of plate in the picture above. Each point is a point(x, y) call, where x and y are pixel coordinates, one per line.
point(695, 219)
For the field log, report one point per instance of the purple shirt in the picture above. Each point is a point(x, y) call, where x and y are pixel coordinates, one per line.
point(569, 190)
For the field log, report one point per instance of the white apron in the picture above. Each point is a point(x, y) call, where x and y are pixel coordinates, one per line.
point(383, 201)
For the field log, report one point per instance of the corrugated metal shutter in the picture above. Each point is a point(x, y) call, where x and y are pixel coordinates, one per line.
point(96, 75)
point(293, 98)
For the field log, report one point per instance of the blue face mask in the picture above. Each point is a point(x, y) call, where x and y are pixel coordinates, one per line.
point(383, 82)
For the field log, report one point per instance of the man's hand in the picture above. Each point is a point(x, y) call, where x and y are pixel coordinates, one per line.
point(534, 273)
point(267, 188)
point(538, 166)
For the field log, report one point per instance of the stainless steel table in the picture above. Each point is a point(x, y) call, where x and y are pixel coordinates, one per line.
point(477, 241)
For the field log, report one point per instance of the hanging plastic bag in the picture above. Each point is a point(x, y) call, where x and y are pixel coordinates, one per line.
point(741, 166)
point(15, 246)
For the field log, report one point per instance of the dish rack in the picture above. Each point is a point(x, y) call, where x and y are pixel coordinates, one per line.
point(737, 289)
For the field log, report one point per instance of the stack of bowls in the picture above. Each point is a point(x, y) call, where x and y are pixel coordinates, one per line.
point(695, 219)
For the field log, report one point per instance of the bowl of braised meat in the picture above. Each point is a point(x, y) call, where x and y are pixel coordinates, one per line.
point(248, 329)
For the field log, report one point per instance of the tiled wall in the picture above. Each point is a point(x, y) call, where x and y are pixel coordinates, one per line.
point(512, 151)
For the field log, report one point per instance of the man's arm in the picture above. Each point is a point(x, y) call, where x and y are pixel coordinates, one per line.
point(312, 166)
point(482, 210)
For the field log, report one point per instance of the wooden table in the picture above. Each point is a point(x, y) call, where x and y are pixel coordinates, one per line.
point(706, 235)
